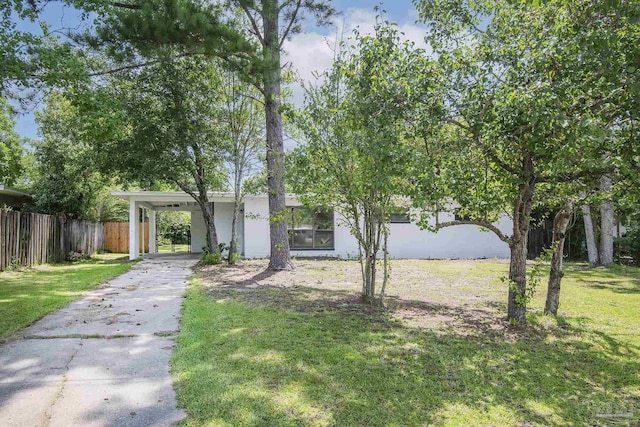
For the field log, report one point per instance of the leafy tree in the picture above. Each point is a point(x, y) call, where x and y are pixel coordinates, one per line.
point(34, 63)
point(240, 120)
point(173, 227)
point(166, 128)
point(525, 106)
point(10, 146)
point(356, 141)
point(248, 35)
point(67, 180)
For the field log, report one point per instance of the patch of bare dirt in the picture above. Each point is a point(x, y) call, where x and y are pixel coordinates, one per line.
point(462, 297)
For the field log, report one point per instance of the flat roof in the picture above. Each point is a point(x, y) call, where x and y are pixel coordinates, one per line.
point(177, 200)
point(14, 192)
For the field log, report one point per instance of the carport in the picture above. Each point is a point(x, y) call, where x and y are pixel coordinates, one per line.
point(150, 202)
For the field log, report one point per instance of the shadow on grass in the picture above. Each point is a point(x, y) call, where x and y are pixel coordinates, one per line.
point(28, 295)
point(306, 356)
point(615, 278)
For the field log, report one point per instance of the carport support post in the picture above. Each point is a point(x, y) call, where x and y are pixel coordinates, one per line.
point(142, 240)
point(152, 231)
point(134, 229)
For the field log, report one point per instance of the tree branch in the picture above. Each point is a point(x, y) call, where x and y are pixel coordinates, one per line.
point(459, 124)
point(134, 66)
point(254, 25)
point(123, 68)
point(479, 223)
point(291, 22)
point(129, 6)
point(565, 177)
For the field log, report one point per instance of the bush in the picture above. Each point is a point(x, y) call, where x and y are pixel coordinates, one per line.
point(629, 246)
point(211, 259)
point(76, 256)
point(235, 258)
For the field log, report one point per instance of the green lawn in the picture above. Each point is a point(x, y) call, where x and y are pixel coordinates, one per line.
point(178, 248)
point(26, 296)
point(300, 350)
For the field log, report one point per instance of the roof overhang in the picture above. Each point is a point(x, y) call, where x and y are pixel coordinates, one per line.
point(14, 192)
point(181, 201)
point(14, 198)
point(173, 200)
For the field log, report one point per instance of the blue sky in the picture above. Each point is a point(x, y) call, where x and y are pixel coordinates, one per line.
point(307, 52)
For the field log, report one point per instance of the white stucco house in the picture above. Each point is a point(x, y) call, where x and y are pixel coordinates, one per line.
point(313, 233)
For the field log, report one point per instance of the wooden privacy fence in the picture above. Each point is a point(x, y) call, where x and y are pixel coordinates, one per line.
point(116, 236)
point(28, 239)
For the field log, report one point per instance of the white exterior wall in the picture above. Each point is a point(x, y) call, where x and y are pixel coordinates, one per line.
point(256, 227)
point(198, 231)
point(223, 214)
point(405, 240)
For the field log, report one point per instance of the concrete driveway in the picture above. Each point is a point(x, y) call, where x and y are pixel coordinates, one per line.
point(104, 359)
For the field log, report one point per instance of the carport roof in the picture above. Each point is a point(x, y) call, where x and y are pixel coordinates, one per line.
point(173, 199)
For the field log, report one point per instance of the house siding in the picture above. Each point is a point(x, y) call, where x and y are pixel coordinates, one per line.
point(406, 240)
point(223, 216)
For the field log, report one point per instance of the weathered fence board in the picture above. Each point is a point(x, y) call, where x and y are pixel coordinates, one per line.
point(116, 236)
point(28, 239)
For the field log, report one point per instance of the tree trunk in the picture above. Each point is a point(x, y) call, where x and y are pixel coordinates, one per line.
point(212, 235)
point(607, 223)
point(385, 262)
point(233, 245)
point(280, 258)
point(592, 248)
point(202, 198)
point(517, 305)
point(517, 301)
point(560, 225)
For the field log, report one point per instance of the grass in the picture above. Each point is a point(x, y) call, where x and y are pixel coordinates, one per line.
point(178, 248)
point(26, 296)
point(297, 348)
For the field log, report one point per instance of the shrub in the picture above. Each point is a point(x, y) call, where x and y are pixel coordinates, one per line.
point(75, 256)
point(235, 258)
point(629, 246)
point(211, 259)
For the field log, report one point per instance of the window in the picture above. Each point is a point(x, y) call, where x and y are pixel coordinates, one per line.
point(310, 229)
point(459, 217)
point(399, 216)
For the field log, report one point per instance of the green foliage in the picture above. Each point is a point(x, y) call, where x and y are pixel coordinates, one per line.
point(173, 227)
point(211, 258)
point(525, 106)
point(234, 258)
point(65, 176)
point(10, 147)
point(629, 245)
point(357, 135)
point(525, 87)
point(35, 62)
point(166, 128)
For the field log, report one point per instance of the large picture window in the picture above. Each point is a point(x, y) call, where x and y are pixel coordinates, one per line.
point(310, 228)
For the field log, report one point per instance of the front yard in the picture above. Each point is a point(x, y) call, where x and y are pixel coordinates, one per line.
point(26, 296)
point(297, 348)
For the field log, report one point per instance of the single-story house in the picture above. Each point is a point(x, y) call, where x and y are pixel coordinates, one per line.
point(313, 232)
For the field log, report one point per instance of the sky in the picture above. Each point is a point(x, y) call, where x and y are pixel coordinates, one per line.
point(308, 52)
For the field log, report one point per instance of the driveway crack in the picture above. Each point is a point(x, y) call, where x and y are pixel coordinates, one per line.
point(46, 421)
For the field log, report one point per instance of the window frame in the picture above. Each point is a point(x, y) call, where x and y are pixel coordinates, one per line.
point(291, 229)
